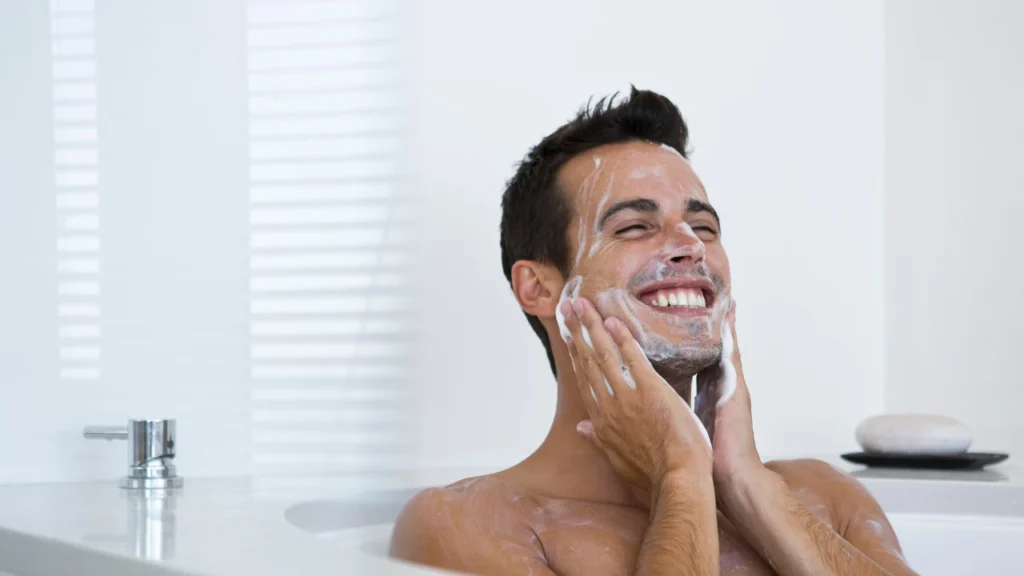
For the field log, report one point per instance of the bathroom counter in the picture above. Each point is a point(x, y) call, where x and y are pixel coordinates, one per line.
point(211, 526)
point(235, 526)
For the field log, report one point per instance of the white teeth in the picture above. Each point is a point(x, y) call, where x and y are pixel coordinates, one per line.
point(683, 297)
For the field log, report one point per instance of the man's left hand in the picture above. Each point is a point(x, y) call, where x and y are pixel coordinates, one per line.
point(723, 405)
point(758, 501)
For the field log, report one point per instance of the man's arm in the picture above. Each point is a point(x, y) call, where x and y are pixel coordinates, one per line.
point(651, 438)
point(682, 537)
point(795, 542)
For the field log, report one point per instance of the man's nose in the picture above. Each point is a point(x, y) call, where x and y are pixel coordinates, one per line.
point(684, 245)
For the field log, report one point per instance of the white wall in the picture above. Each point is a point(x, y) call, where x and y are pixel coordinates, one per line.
point(801, 115)
point(954, 84)
point(198, 124)
point(172, 173)
point(784, 101)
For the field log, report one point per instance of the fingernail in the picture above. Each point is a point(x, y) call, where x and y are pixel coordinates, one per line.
point(585, 427)
point(577, 305)
point(611, 323)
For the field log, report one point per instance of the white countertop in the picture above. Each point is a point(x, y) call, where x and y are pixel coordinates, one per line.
point(213, 526)
point(234, 526)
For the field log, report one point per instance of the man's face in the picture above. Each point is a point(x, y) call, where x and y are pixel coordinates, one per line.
point(645, 247)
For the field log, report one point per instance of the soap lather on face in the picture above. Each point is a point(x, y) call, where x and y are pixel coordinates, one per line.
point(647, 250)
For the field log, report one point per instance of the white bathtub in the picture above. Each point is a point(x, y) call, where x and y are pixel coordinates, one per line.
point(937, 545)
point(947, 527)
point(954, 524)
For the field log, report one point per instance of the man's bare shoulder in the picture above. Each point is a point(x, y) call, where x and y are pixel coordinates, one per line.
point(806, 470)
point(811, 473)
point(854, 513)
point(818, 482)
point(472, 525)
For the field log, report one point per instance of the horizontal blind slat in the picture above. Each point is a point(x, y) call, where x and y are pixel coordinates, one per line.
point(281, 13)
point(76, 179)
point(328, 236)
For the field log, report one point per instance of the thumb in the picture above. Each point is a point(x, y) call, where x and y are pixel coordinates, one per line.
point(586, 429)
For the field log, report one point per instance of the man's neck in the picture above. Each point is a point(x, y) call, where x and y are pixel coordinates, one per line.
point(566, 465)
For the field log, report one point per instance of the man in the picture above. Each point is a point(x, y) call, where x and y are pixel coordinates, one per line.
point(614, 253)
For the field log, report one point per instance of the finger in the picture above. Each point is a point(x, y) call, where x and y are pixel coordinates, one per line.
point(590, 402)
point(638, 368)
point(588, 358)
point(613, 324)
point(576, 350)
point(643, 373)
point(606, 352)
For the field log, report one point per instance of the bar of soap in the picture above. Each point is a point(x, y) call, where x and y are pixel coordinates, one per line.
point(913, 434)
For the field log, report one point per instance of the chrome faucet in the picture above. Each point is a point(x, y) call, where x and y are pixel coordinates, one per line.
point(151, 449)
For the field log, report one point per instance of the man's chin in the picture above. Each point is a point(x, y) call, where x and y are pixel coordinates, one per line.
point(681, 358)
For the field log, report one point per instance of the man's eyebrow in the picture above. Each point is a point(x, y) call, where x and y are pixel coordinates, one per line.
point(638, 204)
point(695, 205)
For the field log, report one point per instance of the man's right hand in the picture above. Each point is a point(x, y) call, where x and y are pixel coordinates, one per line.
point(644, 427)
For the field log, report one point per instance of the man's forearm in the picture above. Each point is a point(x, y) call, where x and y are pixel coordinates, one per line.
point(682, 537)
point(791, 539)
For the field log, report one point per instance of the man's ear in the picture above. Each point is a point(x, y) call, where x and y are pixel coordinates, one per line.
point(537, 287)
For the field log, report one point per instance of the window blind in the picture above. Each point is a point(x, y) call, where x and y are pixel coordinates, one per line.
point(328, 238)
point(76, 177)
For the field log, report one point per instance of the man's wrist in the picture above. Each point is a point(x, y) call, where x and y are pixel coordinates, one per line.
point(748, 490)
point(685, 485)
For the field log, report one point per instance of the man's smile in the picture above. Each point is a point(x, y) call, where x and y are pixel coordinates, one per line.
point(680, 297)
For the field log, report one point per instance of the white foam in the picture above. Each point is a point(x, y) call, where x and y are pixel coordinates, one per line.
point(596, 232)
point(628, 377)
point(585, 191)
point(688, 231)
point(676, 152)
point(727, 385)
point(570, 292)
point(586, 336)
point(700, 425)
point(671, 149)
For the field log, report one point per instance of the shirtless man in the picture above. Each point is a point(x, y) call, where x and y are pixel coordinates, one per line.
point(615, 255)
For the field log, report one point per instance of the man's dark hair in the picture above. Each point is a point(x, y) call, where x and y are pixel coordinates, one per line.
point(535, 214)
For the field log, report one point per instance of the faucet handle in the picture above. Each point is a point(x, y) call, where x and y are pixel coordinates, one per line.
point(151, 450)
point(106, 432)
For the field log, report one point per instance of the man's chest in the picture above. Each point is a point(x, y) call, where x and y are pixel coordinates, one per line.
point(609, 545)
point(580, 538)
